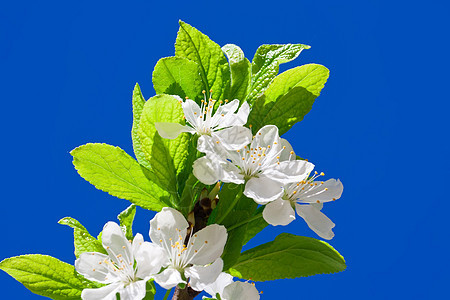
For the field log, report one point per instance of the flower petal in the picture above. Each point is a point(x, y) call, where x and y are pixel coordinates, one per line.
point(230, 173)
point(208, 145)
point(233, 138)
point(263, 190)
point(237, 119)
point(168, 224)
point(242, 114)
point(92, 265)
point(328, 191)
point(116, 244)
point(133, 291)
point(169, 130)
point(192, 112)
point(266, 136)
point(217, 286)
point(107, 292)
point(228, 108)
point(169, 278)
point(206, 171)
point(207, 244)
point(279, 212)
point(290, 171)
point(240, 291)
point(149, 260)
point(316, 220)
point(138, 240)
point(286, 153)
point(200, 277)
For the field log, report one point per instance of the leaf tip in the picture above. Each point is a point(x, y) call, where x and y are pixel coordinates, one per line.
point(64, 221)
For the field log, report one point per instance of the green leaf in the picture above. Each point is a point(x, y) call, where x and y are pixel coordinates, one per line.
point(265, 66)
point(289, 98)
point(178, 76)
point(82, 239)
point(167, 157)
point(126, 219)
point(255, 226)
point(138, 105)
point(242, 211)
point(112, 170)
point(150, 290)
point(288, 256)
point(214, 68)
point(46, 276)
point(190, 194)
point(240, 69)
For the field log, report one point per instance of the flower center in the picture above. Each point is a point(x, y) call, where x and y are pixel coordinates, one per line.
point(253, 161)
point(179, 253)
point(295, 191)
point(205, 122)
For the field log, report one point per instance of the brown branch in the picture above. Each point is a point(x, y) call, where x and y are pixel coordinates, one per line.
point(184, 294)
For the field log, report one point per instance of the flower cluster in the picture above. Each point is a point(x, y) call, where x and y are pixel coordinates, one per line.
point(172, 258)
point(265, 164)
point(267, 167)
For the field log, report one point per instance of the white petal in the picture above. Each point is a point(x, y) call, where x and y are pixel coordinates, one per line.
point(172, 130)
point(209, 243)
point(266, 136)
point(217, 286)
point(279, 212)
point(169, 278)
point(206, 170)
point(228, 108)
point(290, 171)
point(242, 114)
point(263, 190)
point(230, 173)
point(286, 153)
point(240, 291)
point(233, 138)
point(133, 291)
point(200, 277)
point(316, 220)
point(328, 191)
point(208, 145)
point(191, 112)
point(105, 293)
point(138, 240)
point(215, 165)
point(92, 266)
point(168, 224)
point(238, 119)
point(149, 260)
point(116, 244)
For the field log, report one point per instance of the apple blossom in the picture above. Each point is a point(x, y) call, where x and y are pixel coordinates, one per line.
point(307, 196)
point(197, 258)
point(125, 269)
point(264, 166)
point(201, 120)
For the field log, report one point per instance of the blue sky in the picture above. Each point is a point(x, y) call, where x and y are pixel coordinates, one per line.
point(381, 125)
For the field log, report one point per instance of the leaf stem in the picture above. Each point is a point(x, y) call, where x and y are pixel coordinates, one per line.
point(245, 222)
point(167, 294)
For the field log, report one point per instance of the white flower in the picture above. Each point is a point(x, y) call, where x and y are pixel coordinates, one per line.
point(264, 166)
point(125, 270)
point(197, 259)
point(224, 124)
point(307, 196)
point(229, 290)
